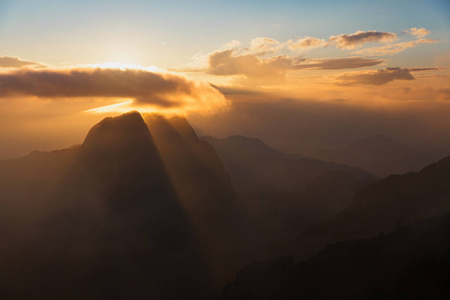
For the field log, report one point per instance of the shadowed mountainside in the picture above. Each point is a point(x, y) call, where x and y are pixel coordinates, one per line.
point(383, 206)
point(284, 192)
point(115, 223)
point(412, 262)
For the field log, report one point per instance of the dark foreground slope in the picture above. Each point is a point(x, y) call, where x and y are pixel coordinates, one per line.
point(112, 223)
point(382, 207)
point(412, 262)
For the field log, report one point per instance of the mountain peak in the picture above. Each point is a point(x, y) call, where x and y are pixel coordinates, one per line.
point(117, 132)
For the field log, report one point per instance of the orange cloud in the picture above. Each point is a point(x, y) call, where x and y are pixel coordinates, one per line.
point(305, 43)
point(163, 90)
point(263, 45)
point(351, 41)
point(15, 62)
point(418, 32)
point(375, 77)
point(394, 48)
point(273, 70)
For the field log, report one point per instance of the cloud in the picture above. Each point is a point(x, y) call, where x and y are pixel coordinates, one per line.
point(375, 77)
point(228, 63)
point(339, 63)
point(357, 39)
point(426, 69)
point(230, 45)
point(305, 43)
point(262, 45)
point(15, 62)
point(273, 70)
point(164, 90)
point(418, 32)
point(257, 70)
point(394, 48)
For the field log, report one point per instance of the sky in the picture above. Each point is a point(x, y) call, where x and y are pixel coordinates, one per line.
point(353, 68)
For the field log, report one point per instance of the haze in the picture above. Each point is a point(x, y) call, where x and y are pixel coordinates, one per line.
point(238, 142)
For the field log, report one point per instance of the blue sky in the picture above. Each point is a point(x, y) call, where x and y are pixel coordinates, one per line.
point(169, 33)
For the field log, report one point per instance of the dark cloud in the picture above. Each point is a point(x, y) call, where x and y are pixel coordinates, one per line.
point(351, 41)
point(376, 77)
point(15, 62)
point(425, 69)
point(340, 63)
point(145, 87)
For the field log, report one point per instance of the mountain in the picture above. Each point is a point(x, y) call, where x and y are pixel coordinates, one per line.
point(385, 205)
point(286, 193)
point(379, 154)
point(253, 165)
point(413, 262)
point(207, 195)
point(139, 210)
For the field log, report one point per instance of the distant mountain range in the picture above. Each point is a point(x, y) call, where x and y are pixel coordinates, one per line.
point(286, 193)
point(379, 154)
point(391, 242)
point(144, 209)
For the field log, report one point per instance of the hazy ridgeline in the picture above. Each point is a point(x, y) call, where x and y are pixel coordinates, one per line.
point(144, 209)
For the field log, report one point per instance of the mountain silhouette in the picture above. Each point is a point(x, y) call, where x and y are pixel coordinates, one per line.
point(114, 229)
point(378, 154)
point(253, 165)
point(395, 201)
point(413, 262)
point(205, 191)
point(286, 193)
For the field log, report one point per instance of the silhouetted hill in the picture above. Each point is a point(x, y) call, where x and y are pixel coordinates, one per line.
point(286, 193)
point(381, 207)
point(206, 193)
point(412, 262)
point(114, 227)
point(379, 155)
point(253, 165)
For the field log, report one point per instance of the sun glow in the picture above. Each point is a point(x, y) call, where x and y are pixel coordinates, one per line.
point(125, 66)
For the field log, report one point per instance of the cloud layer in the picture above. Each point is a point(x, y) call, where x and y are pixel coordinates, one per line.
point(15, 62)
point(376, 77)
point(144, 87)
point(273, 70)
point(351, 41)
point(394, 48)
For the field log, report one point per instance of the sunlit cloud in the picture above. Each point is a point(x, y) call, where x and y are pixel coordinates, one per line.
point(418, 32)
point(273, 70)
point(305, 43)
point(357, 39)
point(394, 48)
point(15, 62)
point(263, 45)
point(375, 77)
point(164, 91)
